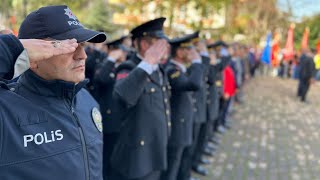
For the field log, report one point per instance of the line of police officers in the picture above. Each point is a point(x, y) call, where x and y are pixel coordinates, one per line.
point(160, 107)
point(159, 113)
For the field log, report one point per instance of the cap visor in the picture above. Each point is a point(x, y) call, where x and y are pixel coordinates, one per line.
point(82, 35)
point(163, 37)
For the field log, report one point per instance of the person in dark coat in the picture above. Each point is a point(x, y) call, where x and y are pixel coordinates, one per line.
point(183, 81)
point(142, 98)
point(223, 59)
point(199, 99)
point(95, 58)
point(306, 74)
point(104, 81)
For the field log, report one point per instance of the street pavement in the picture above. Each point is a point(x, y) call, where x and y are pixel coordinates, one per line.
point(274, 136)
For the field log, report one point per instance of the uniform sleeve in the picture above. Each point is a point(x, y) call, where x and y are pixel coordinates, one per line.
point(212, 74)
point(1, 130)
point(104, 73)
point(205, 60)
point(129, 85)
point(10, 49)
point(181, 82)
point(22, 64)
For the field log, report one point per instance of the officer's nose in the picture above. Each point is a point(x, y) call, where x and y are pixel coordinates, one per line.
point(80, 53)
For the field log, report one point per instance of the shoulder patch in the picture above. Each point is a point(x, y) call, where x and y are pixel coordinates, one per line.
point(122, 75)
point(97, 118)
point(127, 65)
point(175, 75)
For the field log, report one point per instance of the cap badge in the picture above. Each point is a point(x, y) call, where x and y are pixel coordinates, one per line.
point(70, 14)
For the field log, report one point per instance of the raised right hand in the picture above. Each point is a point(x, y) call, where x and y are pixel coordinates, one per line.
point(39, 50)
point(155, 53)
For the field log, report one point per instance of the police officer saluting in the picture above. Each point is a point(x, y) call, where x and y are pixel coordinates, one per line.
point(182, 83)
point(51, 127)
point(141, 94)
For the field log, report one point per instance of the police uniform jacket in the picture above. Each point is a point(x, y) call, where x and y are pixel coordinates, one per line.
point(224, 61)
point(200, 96)
point(93, 61)
point(49, 130)
point(213, 96)
point(181, 101)
point(143, 138)
point(104, 81)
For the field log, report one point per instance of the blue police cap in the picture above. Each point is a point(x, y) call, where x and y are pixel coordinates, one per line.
point(57, 22)
point(153, 28)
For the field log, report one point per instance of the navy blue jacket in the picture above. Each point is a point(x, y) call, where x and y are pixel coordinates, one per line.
point(48, 131)
point(219, 77)
point(144, 105)
point(181, 101)
point(104, 81)
point(307, 68)
point(213, 95)
point(40, 137)
point(200, 96)
point(94, 60)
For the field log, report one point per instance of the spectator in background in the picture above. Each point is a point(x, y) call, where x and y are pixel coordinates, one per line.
point(306, 74)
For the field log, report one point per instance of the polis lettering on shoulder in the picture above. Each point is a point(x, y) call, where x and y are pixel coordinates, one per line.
point(41, 138)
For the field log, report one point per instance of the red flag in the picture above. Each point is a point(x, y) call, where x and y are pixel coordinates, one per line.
point(289, 51)
point(275, 50)
point(305, 38)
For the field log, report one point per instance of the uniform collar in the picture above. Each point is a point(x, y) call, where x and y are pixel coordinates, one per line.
point(181, 66)
point(53, 88)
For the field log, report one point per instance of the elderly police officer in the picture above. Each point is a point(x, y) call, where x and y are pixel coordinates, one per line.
point(51, 127)
point(142, 101)
point(182, 83)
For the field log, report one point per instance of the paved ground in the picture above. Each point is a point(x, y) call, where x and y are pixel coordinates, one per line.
point(273, 136)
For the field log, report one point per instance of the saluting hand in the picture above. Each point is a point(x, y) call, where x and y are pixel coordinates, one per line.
point(193, 54)
point(39, 50)
point(201, 47)
point(155, 53)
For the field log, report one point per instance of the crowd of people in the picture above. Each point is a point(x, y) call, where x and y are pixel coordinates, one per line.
point(152, 108)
